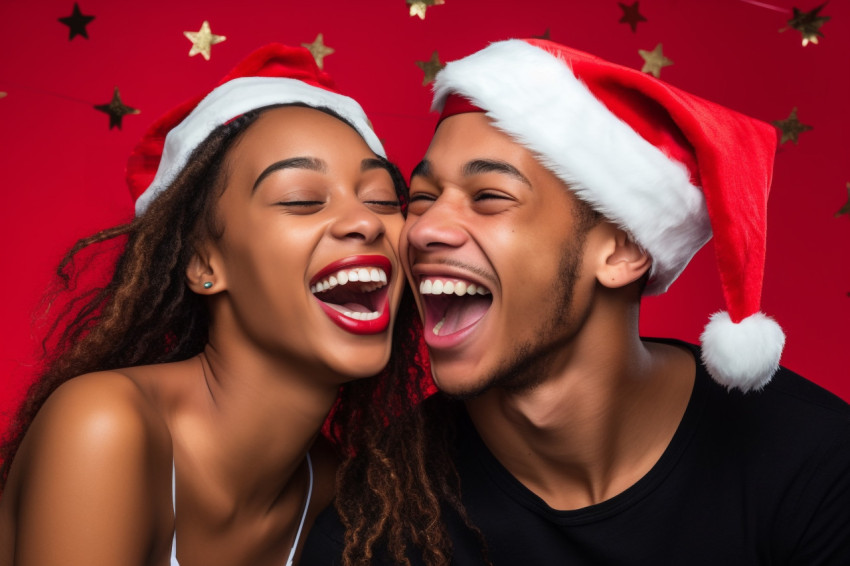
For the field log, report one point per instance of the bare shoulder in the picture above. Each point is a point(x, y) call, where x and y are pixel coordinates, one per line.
point(93, 467)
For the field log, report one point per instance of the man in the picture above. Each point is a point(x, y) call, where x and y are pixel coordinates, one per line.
point(558, 189)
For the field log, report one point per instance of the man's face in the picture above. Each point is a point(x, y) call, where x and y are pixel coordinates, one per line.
point(496, 259)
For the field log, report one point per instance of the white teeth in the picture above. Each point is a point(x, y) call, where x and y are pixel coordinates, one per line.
point(362, 315)
point(459, 288)
point(438, 326)
point(374, 275)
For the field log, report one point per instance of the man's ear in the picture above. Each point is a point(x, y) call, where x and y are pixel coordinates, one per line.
point(205, 272)
point(624, 263)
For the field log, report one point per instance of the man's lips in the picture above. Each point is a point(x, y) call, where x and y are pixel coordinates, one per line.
point(353, 293)
point(452, 307)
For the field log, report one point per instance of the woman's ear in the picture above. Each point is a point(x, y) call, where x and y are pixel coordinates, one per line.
point(624, 263)
point(205, 273)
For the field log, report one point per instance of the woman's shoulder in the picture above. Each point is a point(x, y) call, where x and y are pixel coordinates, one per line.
point(94, 464)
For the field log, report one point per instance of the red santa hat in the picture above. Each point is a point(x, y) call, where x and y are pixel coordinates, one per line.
point(273, 74)
point(668, 167)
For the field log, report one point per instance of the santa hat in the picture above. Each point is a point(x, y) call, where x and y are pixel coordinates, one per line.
point(666, 166)
point(273, 74)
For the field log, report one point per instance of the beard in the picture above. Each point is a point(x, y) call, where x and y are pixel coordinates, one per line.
point(527, 365)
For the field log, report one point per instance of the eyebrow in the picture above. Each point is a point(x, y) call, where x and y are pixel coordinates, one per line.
point(475, 167)
point(423, 169)
point(371, 163)
point(481, 166)
point(311, 163)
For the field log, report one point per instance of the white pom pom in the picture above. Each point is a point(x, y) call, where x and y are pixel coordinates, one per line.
point(743, 355)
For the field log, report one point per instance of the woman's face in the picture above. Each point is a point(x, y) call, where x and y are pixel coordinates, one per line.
point(307, 266)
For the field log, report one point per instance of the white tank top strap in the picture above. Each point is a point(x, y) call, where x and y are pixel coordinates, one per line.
point(303, 513)
point(297, 534)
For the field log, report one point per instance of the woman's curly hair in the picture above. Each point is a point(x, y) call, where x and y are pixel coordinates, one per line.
point(390, 486)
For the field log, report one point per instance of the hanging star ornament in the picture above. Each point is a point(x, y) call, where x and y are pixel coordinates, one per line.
point(319, 50)
point(77, 23)
point(203, 40)
point(654, 61)
point(116, 110)
point(631, 16)
point(808, 24)
point(419, 7)
point(430, 67)
point(846, 208)
point(791, 127)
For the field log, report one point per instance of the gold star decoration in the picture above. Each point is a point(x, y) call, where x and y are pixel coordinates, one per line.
point(2, 95)
point(77, 23)
point(791, 127)
point(631, 16)
point(116, 110)
point(419, 7)
point(654, 61)
point(203, 40)
point(544, 36)
point(846, 208)
point(430, 67)
point(808, 24)
point(319, 50)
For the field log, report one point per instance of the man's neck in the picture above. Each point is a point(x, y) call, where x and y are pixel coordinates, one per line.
point(595, 426)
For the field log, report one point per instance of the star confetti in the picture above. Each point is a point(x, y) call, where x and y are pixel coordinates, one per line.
point(808, 24)
point(77, 23)
point(319, 50)
point(430, 67)
point(116, 110)
point(419, 7)
point(203, 40)
point(631, 16)
point(791, 127)
point(2, 95)
point(846, 208)
point(654, 61)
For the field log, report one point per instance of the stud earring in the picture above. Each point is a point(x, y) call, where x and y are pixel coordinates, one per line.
point(207, 284)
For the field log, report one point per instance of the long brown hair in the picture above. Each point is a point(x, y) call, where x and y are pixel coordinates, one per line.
point(145, 314)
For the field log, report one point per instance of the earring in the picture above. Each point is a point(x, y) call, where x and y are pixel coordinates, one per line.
point(207, 284)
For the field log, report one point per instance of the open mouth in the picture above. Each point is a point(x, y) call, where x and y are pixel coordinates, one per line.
point(452, 305)
point(353, 292)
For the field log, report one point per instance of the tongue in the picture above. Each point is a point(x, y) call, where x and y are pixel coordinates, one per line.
point(462, 313)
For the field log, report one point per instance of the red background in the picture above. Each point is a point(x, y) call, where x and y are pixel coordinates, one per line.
point(62, 168)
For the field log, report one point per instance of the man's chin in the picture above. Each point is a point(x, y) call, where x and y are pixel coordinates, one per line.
point(461, 387)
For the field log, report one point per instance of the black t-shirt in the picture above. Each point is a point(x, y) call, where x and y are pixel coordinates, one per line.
point(757, 478)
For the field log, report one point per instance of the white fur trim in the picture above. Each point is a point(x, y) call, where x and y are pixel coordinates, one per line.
point(743, 355)
point(235, 98)
point(534, 97)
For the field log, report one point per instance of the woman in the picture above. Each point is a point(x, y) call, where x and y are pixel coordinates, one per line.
point(179, 416)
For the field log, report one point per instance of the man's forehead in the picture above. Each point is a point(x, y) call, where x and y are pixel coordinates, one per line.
point(470, 136)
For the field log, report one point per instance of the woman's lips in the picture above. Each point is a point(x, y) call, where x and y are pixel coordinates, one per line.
point(353, 293)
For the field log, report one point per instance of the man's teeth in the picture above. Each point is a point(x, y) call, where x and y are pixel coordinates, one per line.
point(459, 288)
point(374, 275)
